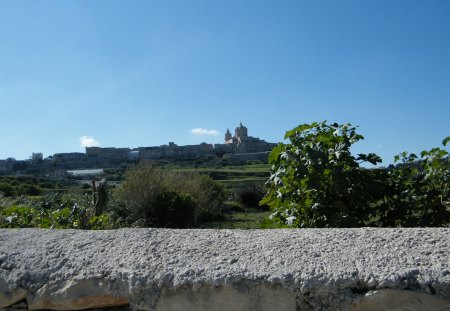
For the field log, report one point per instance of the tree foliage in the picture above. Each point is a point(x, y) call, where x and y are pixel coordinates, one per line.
point(316, 182)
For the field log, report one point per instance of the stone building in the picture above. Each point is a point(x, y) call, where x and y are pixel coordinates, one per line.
point(238, 144)
point(108, 154)
point(240, 133)
point(228, 137)
point(242, 143)
point(37, 156)
point(68, 157)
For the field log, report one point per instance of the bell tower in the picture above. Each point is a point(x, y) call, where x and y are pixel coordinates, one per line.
point(240, 131)
point(228, 137)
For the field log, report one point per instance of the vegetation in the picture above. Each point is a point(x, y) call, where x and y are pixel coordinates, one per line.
point(11, 186)
point(171, 194)
point(57, 210)
point(316, 182)
point(312, 181)
point(150, 196)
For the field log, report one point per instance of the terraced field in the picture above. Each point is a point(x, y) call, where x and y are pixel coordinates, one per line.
point(232, 177)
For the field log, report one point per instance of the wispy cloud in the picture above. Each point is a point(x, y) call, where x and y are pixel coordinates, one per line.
point(202, 131)
point(89, 141)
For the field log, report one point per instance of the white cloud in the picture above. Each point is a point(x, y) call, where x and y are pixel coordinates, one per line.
point(201, 131)
point(89, 141)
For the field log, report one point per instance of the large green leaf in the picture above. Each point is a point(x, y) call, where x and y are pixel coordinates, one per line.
point(275, 153)
point(298, 129)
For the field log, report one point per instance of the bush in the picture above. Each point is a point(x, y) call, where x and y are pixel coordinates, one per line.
point(46, 185)
point(17, 217)
point(316, 182)
point(417, 191)
point(146, 190)
point(142, 184)
point(28, 189)
point(100, 222)
point(251, 196)
point(208, 194)
point(7, 189)
point(233, 207)
point(58, 211)
point(173, 210)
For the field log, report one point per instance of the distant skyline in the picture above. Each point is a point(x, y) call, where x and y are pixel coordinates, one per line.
point(142, 73)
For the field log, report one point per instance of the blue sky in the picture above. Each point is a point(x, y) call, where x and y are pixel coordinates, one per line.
point(143, 73)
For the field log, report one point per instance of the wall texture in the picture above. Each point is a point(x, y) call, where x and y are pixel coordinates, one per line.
point(159, 269)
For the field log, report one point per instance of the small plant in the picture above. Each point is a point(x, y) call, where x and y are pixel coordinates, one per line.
point(17, 217)
point(100, 222)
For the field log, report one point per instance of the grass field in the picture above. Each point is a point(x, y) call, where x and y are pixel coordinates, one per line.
point(233, 177)
point(248, 219)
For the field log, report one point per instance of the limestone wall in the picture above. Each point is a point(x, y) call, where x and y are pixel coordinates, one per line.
point(242, 157)
point(161, 269)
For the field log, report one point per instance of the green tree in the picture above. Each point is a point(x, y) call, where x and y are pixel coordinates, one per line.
point(315, 181)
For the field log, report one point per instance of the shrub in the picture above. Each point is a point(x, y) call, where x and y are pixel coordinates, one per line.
point(418, 192)
point(100, 222)
point(7, 189)
point(46, 185)
point(208, 194)
point(28, 189)
point(316, 182)
point(17, 217)
point(142, 184)
point(251, 196)
point(173, 210)
point(146, 190)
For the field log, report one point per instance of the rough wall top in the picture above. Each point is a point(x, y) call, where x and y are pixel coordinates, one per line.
point(320, 268)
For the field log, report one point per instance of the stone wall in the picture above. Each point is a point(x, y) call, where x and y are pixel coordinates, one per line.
point(161, 269)
point(70, 156)
point(173, 151)
point(243, 157)
point(111, 154)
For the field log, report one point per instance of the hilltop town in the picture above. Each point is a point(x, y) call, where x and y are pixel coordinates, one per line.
point(238, 147)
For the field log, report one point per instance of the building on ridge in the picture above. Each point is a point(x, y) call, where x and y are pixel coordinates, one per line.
point(239, 147)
